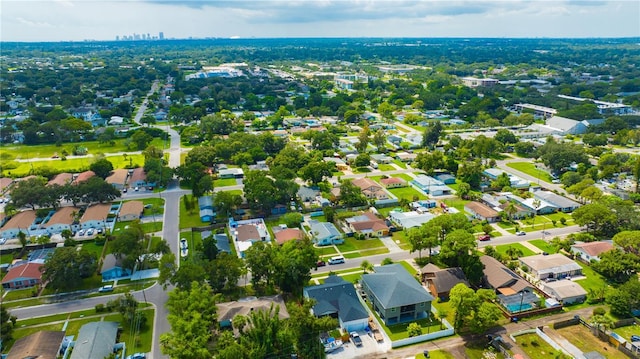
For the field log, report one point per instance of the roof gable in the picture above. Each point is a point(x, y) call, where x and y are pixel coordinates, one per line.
point(394, 287)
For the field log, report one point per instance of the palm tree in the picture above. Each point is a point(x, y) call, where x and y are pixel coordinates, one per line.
point(536, 204)
point(22, 237)
point(366, 266)
point(511, 210)
point(513, 252)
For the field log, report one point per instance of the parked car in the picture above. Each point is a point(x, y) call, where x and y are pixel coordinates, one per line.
point(635, 338)
point(90, 231)
point(3, 241)
point(520, 233)
point(321, 263)
point(106, 288)
point(137, 356)
point(355, 338)
point(484, 237)
point(81, 232)
point(136, 189)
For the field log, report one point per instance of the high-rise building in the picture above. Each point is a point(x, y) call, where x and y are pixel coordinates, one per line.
point(161, 35)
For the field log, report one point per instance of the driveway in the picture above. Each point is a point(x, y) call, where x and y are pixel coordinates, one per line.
point(369, 348)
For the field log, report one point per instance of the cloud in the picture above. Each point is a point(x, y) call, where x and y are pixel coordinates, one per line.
point(33, 23)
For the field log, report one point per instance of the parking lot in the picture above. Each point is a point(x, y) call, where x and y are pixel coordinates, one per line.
point(369, 346)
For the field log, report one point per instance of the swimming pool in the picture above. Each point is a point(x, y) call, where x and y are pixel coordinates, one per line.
point(515, 307)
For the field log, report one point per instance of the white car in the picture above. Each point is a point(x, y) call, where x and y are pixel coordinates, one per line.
point(90, 231)
point(81, 233)
point(3, 241)
point(106, 288)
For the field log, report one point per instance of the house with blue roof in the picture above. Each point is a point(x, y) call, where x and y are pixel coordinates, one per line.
point(431, 186)
point(325, 233)
point(337, 298)
point(396, 295)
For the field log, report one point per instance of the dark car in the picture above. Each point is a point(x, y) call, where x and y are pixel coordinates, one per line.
point(635, 338)
point(321, 263)
point(355, 338)
point(484, 237)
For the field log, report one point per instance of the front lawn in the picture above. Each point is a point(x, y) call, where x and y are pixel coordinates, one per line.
point(367, 252)
point(530, 169)
point(386, 167)
point(456, 203)
point(189, 218)
point(436, 354)
point(400, 164)
point(352, 244)
point(404, 176)
point(534, 346)
point(224, 182)
point(407, 192)
point(325, 251)
point(503, 248)
point(544, 245)
point(592, 280)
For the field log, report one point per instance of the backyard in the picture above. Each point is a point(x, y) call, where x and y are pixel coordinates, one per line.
point(582, 338)
point(535, 347)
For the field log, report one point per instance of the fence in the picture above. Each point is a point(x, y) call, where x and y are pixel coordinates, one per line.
point(424, 337)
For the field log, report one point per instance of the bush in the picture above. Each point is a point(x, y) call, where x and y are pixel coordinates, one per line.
point(100, 308)
point(599, 311)
point(563, 221)
point(414, 329)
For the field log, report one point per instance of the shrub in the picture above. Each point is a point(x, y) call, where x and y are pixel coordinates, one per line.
point(599, 311)
point(414, 329)
point(100, 308)
point(563, 221)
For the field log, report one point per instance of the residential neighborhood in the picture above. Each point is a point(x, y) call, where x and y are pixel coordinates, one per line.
point(345, 207)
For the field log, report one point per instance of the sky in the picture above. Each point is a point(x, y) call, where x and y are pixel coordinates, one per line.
point(77, 20)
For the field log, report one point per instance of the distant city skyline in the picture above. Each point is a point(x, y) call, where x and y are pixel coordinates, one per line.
point(75, 20)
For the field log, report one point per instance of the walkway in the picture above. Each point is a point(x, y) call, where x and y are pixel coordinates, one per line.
point(391, 244)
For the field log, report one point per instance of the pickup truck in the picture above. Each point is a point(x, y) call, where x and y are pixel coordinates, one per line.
point(355, 338)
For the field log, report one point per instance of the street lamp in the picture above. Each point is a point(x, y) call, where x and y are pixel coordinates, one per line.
point(521, 300)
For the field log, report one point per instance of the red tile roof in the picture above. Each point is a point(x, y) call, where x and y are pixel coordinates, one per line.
point(28, 270)
point(594, 249)
point(288, 234)
point(392, 180)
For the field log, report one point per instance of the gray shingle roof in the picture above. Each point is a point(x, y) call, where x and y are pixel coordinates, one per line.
point(336, 296)
point(394, 287)
point(95, 340)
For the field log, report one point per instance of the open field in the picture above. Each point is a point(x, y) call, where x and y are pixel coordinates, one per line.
point(25, 152)
point(530, 169)
point(534, 346)
point(582, 338)
point(70, 165)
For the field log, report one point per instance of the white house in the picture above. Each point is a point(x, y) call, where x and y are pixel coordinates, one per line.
point(591, 250)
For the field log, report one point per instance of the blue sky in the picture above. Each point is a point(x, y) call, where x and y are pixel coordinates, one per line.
point(64, 20)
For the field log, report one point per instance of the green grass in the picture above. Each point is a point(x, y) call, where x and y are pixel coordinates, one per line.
point(23, 303)
point(582, 338)
point(71, 165)
point(16, 294)
point(6, 258)
point(337, 272)
point(407, 192)
point(404, 176)
point(150, 227)
point(189, 219)
point(399, 331)
point(530, 169)
point(48, 150)
point(436, 354)
point(400, 164)
point(456, 203)
point(141, 342)
point(224, 182)
point(444, 310)
point(544, 245)
point(592, 280)
point(386, 167)
point(525, 251)
point(325, 251)
point(94, 248)
point(157, 207)
point(352, 244)
point(402, 237)
point(236, 191)
point(534, 346)
point(411, 269)
point(367, 252)
point(477, 350)
point(627, 331)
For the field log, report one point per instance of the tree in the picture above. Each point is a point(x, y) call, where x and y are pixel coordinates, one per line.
point(33, 192)
point(463, 190)
point(66, 268)
point(292, 219)
point(351, 195)
point(597, 217)
point(431, 135)
point(293, 263)
point(363, 160)
point(102, 167)
point(265, 335)
point(141, 139)
point(127, 305)
point(128, 245)
point(226, 202)
point(629, 241)
point(366, 266)
point(317, 171)
point(22, 238)
point(380, 140)
point(260, 259)
point(471, 173)
point(363, 139)
point(225, 271)
point(505, 136)
point(7, 324)
point(624, 299)
point(473, 309)
point(192, 313)
point(616, 265)
point(305, 328)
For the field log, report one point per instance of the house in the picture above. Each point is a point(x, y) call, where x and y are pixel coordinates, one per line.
point(112, 268)
point(284, 235)
point(514, 293)
point(307, 194)
point(555, 266)
point(565, 291)
point(61, 179)
point(230, 173)
point(61, 220)
point(482, 212)
point(368, 224)
point(205, 205)
point(96, 340)
point(118, 178)
point(130, 211)
point(395, 294)
point(591, 250)
point(83, 176)
point(340, 164)
point(95, 216)
point(229, 310)
point(562, 203)
point(44, 344)
point(381, 158)
point(479, 82)
point(539, 206)
point(431, 186)
point(20, 222)
point(411, 219)
point(446, 178)
point(23, 275)
point(393, 182)
point(516, 182)
point(325, 233)
point(406, 157)
point(222, 242)
point(370, 188)
point(441, 281)
point(246, 232)
point(138, 178)
point(337, 298)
